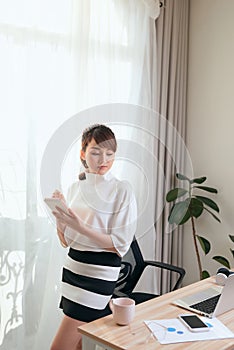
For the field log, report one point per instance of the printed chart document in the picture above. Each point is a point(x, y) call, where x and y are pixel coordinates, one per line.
point(173, 331)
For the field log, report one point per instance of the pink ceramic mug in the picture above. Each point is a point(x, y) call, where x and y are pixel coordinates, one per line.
point(123, 310)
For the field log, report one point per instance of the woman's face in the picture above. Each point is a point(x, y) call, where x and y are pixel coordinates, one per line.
point(99, 159)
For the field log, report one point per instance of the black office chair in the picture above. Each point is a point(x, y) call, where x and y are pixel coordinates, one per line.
point(133, 266)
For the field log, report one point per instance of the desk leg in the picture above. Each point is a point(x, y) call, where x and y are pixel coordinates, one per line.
point(90, 344)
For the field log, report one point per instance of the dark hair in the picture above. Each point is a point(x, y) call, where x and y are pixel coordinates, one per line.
point(102, 134)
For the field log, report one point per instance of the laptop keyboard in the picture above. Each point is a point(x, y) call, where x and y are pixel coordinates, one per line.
point(207, 305)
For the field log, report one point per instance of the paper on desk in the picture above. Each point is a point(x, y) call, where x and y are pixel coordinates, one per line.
point(173, 331)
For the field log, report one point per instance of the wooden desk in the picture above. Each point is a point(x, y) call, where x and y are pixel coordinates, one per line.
point(137, 336)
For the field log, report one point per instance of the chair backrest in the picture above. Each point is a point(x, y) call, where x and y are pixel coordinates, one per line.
point(133, 265)
point(131, 269)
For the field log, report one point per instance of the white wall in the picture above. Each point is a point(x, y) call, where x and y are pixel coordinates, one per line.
point(211, 122)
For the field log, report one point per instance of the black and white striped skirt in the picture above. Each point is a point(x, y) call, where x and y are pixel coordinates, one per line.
point(88, 282)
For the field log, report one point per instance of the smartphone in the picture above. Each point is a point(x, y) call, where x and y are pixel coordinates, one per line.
point(194, 323)
point(55, 202)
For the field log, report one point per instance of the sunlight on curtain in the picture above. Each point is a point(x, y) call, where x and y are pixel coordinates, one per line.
point(57, 58)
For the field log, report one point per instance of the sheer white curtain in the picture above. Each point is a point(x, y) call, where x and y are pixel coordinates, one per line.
point(57, 58)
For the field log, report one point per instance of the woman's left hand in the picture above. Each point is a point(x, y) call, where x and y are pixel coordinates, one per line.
point(69, 219)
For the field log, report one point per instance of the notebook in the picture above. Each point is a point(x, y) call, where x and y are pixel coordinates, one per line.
point(210, 302)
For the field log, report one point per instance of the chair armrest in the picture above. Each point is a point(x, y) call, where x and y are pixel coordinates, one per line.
point(169, 267)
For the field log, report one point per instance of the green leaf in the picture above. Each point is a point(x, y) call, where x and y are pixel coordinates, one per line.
point(222, 260)
point(214, 216)
point(231, 237)
point(185, 218)
point(205, 244)
point(178, 212)
point(195, 207)
point(175, 193)
point(205, 274)
point(208, 189)
point(232, 251)
point(182, 177)
point(208, 202)
point(198, 180)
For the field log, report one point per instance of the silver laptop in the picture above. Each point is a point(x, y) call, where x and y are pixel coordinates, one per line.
point(210, 302)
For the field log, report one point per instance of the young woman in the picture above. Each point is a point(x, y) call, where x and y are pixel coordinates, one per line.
point(98, 230)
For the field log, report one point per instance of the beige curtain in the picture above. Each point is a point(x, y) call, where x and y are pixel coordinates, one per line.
point(172, 52)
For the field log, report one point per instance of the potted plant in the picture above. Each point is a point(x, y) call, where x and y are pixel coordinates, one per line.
point(188, 204)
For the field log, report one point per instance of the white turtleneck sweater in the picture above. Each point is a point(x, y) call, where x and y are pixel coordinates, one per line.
point(108, 206)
